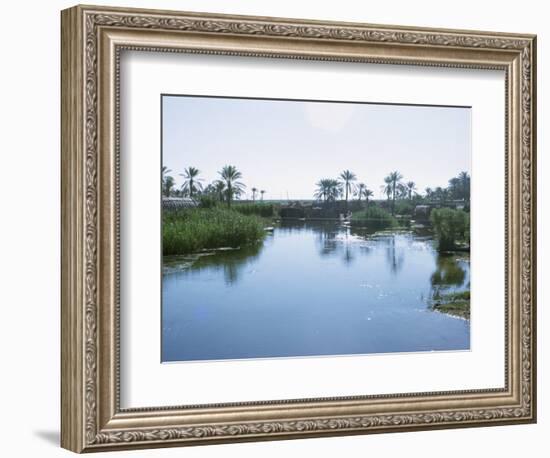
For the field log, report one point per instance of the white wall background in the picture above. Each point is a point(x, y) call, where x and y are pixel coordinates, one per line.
point(29, 228)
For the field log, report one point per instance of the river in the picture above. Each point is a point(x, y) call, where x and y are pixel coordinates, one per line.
point(312, 289)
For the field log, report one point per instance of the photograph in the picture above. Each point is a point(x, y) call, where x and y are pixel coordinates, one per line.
point(276, 228)
point(313, 228)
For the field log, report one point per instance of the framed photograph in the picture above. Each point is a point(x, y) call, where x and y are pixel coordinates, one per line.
point(278, 228)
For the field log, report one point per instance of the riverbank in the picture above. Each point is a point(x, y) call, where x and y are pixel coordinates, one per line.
point(454, 304)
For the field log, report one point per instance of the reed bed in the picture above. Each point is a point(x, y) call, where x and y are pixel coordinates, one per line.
point(193, 230)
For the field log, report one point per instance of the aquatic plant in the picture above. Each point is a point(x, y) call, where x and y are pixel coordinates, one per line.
point(374, 217)
point(455, 304)
point(191, 230)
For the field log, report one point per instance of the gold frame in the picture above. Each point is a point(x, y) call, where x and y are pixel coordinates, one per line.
point(92, 39)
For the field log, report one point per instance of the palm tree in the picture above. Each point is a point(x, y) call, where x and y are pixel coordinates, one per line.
point(192, 183)
point(455, 188)
point(328, 189)
point(441, 194)
point(411, 186)
point(218, 187)
point(360, 190)
point(322, 189)
point(334, 190)
point(363, 191)
point(368, 193)
point(164, 171)
point(347, 178)
point(444, 196)
point(429, 193)
point(254, 191)
point(233, 188)
point(387, 188)
point(402, 191)
point(262, 192)
point(167, 185)
point(393, 183)
point(464, 180)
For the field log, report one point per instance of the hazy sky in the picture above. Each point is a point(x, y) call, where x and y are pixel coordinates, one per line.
point(285, 147)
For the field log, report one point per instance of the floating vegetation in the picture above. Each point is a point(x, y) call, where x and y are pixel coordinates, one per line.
point(455, 304)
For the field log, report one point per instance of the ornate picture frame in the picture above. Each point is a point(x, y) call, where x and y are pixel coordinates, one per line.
point(92, 41)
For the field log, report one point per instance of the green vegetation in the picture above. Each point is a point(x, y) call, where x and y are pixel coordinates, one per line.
point(328, 190)
point(260, 209)
point(208, 201)
point(409, 188)
point(192, 183)
point(374, 218)
point(456, 304)
point(192, 230)
point(448, 273)
point(450, 227)
point(167, 182)
point(263, 210)
point(404, 207)
point(361, 190)
point(392, 187)
point(335, 198)
point(459, 186)
point(233, 188)
point(167, 185)
point(347, 178)
point(458, 189)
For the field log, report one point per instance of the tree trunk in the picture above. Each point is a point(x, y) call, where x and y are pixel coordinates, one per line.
point(346, 197)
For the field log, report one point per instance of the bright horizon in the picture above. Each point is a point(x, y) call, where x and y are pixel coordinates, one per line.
point(285, 147)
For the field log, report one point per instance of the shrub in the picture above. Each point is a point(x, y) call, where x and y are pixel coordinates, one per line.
point(450, 226)
point(467, 229)
point(374, 218)
point(208, 201)
point(192, 230)
point(404, 207)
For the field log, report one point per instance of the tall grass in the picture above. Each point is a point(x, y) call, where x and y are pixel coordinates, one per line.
point(450, 226)
point(374, 218)
point(192, 230)
point(263, 210)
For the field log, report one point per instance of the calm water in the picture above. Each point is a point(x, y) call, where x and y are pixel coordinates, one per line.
point(312, 289)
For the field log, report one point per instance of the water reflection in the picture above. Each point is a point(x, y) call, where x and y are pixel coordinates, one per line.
point(337, 240)
point(333, 239)
point(394, 255)
point(231, 262)
point(450, 274)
